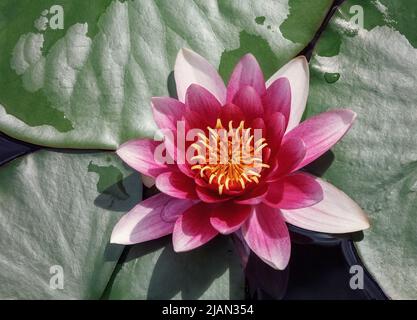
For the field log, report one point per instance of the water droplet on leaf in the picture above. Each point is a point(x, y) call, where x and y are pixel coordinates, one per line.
point(260, 20)
point(331, 77)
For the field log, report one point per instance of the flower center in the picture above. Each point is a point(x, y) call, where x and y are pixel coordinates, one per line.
point(230, 158)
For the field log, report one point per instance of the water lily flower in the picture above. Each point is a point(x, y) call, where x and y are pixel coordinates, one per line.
point(255, 192)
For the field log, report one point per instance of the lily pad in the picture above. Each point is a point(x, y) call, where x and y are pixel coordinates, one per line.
point(89, 84)
point(56, 218)
point(376, 162)
point(152, 270)
point(58, 211)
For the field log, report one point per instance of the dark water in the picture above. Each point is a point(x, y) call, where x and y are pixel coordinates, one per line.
point(11, 149)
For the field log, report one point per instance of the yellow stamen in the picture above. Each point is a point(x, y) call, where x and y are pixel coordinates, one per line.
point(230, 157)
point(203, 169)
point(242, 182)
point(219, 124)
point(260, 147)
point(227, 183)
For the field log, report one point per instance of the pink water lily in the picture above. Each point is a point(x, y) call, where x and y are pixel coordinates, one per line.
point(261, 191)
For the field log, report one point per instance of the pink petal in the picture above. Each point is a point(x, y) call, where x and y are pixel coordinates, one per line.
point(167, 111)
point(259, 123)
point(336, 213)
point(248, 100)
point(210, 196)
point(186, 169)
point(278, 98)
point(139, 154)
point(176, 207)
point(295, 191)
point(321, 132)
point(177, 185)
point(275, 129)
point(297, 73)
point(203, 104)
point(228, 217)
point(191, 68)
point(193, 228)
point(267, 235)
point(246, 73)
point(254, 196)
point(290, 155)
point(149, 220)
point(182, 161)
point(231, 112)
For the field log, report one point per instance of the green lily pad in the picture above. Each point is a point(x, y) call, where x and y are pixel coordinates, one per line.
point(153, 270)
point(89, 84)
point(376, 162)
point(58, 211)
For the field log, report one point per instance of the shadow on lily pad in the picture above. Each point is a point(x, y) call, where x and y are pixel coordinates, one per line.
point(113, 251)
point(193, 274)
point(319, 166)
point(209, 272)
point(121, 196)
point(172, 86)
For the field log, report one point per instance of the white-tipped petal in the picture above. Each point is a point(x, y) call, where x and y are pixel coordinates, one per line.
point(298, 74)
point(191, 68)
point(336, 213)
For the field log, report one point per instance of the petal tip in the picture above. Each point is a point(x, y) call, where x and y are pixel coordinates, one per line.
point(123, 148)
point(365, 223)
point(155, 100)
point(282, 265)
point(303, 59)
point(120, 151)
point(354, 115)
point(190, 67)
point(147, 181)
point(249, 56)
point(178, 248)
point(116, 238)
point(195, 86)
point(119, 234)
point(277, 264)
point(347, 115)
point(361, 222)
point(303, 62)
point(185, 51)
